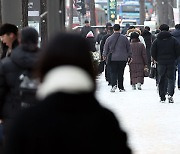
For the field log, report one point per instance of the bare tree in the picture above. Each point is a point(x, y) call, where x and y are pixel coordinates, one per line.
point(24, 13)
point(43, 12)
point(142, 11)
point(165, 12)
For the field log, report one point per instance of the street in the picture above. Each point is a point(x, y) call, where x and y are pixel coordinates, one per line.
point(152, 127)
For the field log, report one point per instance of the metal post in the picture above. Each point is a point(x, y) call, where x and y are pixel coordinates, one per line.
point(12, 12)
point(55, 18)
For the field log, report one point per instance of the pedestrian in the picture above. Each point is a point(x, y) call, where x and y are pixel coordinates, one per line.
point(148, 38)
point(125, 29)
point(23, 58)
point(86, 28)
point(68, 119)
point(119, 46)
point(139, 62)
point(176, 34)
point(107, 67)
point(9, 38)
point(133, 29)
point(165, 50)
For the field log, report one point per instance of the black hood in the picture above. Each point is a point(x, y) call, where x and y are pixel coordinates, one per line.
point(24, 59)
point(164, 35)
point(146, 33)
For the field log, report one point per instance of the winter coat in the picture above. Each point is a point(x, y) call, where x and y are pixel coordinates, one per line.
point(139, 60)
point(165, 49)
point(121, 51)
point(10, 70)
point(176, 34)
point(68, 120)
point(85, 30)
point(148, 38)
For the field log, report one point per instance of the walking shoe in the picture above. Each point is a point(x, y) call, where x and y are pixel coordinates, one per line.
point(170, 98)
point(133, 87)
point(139, 86)
point(162, 101)
point(121, 90)
point(113, 88)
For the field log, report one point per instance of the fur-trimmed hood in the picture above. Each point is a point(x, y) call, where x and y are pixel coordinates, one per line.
point(67, 79)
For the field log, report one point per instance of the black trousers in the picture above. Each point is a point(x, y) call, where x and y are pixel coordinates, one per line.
point(117, 73)
point(166, 80)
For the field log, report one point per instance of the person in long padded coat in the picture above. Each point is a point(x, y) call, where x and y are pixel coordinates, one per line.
point(139, 62)
point(22, 58)
point(68, 118)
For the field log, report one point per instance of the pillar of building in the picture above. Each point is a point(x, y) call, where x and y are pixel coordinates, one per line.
point(12, 12)
point(55, 16)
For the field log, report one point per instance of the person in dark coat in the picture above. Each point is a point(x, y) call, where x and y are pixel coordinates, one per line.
point(176, 34)
point(148, 38)
point(9, 38)
point(165, 50)
point(107, 67)
point(139, 62)
point(22, 58)
point(119, 46)
point(68, 119)
point(86, 29)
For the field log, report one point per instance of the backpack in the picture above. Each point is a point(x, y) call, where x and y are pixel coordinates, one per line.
point(27, 89)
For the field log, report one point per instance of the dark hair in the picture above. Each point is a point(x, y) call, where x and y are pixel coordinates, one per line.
point(147, 28)
point(29, 35)
point(66, 49)
point(164, 27)
point(116, 27)
point(108, 24)
point(131, 27)
point(86, 21)
point(177, 26)
point(8, 28)
point(134, 35)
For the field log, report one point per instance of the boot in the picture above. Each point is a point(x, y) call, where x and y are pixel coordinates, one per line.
point(133, 87)
point(139, 86)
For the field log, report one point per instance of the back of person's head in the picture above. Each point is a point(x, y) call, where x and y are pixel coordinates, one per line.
point(116, 27)
point(29, 39)
point(147, 28)
point(8, 28)
point(110, 30)
point(177, 26)
point(164, 27)
point(29, 35)
point(131, 27)
point(66, 49)
point(108, 24)
point(86, 21)
point(134, 35)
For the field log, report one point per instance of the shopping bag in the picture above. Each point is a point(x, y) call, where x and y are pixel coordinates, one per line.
point(152, 71)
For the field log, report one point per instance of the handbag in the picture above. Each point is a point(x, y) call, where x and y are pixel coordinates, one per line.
point(152, 71)
point(110, 54)
point(146, 72)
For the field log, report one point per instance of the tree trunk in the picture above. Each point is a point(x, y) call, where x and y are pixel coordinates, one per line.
point(171, 14)
point(142, 11)
point(92, 12)
point(24, 13)
point(70, 15)
point(165, 12)
point(43, 21)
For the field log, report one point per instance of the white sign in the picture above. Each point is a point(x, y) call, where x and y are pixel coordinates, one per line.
point(33, 13)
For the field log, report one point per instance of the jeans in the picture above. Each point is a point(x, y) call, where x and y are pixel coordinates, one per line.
point(166, 80)
point(117, 73)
